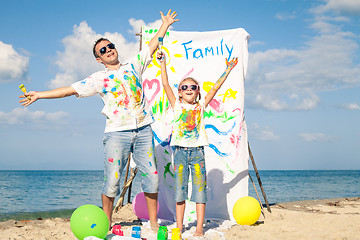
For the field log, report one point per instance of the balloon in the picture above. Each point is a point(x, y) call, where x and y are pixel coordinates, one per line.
point(89, 220)
point(246, 210)
point(140, 208)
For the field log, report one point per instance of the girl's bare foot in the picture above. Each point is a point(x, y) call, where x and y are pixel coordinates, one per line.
point(154, 226)
point(198, 234)
point(180, 228)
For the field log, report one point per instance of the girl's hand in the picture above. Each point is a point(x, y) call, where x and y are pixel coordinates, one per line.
point(160, 56)
point(230, 65)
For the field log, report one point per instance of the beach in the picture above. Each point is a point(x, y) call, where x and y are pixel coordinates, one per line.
point(312, 219)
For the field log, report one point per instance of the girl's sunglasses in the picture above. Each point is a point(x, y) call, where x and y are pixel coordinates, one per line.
point(192, 87)
point(102, 50)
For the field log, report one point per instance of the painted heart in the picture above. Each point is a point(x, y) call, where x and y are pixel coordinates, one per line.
point(150, 90)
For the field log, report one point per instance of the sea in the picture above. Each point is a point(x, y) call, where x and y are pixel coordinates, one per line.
point(48, 194)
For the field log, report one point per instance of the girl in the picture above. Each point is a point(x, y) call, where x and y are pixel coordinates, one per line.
point(189, 138)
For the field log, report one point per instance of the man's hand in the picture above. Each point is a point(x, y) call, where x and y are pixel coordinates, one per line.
point(169, 18)
point(29, 98)
point(167, 21)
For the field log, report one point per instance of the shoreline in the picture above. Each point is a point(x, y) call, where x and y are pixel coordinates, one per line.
point(66, 213)
point(335, 218)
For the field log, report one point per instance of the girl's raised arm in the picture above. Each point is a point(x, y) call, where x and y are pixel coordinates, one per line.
point(164, 79)
point(229, 66)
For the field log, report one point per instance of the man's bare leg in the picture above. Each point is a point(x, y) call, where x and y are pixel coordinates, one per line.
point(180, 211)
point(151, 202)
point(108, 204)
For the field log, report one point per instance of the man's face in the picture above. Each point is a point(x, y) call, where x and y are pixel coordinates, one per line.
point(106, 55)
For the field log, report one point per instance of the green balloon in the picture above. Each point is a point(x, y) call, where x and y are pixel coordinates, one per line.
point(89, 220)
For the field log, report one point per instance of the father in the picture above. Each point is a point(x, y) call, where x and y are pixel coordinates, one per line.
point(128, 117)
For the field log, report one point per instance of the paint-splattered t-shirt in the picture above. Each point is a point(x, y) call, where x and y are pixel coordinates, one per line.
point(125, 106)
point(188, 125)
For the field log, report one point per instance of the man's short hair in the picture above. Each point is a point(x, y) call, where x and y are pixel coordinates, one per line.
point(96, 43)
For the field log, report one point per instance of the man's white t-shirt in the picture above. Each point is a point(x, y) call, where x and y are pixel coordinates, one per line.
point(125, 105)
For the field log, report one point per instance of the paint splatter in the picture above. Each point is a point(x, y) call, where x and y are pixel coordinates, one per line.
point(221, 154)
point(229, 94)
point(111, 160)
point(218, 106)
point(197, 178)
point(167, 170)
point(153, 84)
point(180, 174)
point(159, 107)
point(93, 225)
point(162, 143)
point(150, 152)
point(223, 117)
point(188, 123)
point(207, 126)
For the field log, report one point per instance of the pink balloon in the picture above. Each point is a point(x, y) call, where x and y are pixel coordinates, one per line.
point(140, 208)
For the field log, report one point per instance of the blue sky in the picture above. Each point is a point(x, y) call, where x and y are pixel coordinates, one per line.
point(302, 101)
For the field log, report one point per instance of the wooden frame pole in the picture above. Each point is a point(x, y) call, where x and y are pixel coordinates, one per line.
point(258, 178)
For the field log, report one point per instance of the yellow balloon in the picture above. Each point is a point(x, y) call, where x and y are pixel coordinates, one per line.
point(246, 210)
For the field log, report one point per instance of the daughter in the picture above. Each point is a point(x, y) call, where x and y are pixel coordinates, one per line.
point(189, 138)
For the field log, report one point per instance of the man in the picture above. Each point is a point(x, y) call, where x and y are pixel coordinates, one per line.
point(128, 117)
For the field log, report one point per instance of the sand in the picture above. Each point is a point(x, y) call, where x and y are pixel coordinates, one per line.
point(314, 219)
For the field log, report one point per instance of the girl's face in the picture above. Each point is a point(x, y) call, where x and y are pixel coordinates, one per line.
point(188, 91)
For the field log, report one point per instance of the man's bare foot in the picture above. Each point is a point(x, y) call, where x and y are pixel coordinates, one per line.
point(154, 226)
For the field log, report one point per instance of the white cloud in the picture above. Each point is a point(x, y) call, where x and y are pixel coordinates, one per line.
point(20, 116)
point(340, 6)
point(305, 102)
point(77, 62)
point(255, 43)
point(325, 63)
point(137, 24)
point(265, 134)
point(285, 16)
point(351, 106)
point(13, 65)
point(316, 137)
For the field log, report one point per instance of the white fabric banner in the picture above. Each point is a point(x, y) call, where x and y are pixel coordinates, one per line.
point(201, 55)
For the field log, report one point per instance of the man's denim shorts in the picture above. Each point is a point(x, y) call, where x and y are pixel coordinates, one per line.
point(117, 147)
point(186, 160)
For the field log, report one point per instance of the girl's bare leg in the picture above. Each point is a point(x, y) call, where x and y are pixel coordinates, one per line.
point(200, 214)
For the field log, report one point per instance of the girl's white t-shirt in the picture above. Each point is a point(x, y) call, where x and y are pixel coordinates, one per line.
point(188, 125)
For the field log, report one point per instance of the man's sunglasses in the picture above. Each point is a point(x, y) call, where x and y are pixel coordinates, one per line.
point(103, 50)
point(192, 87)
